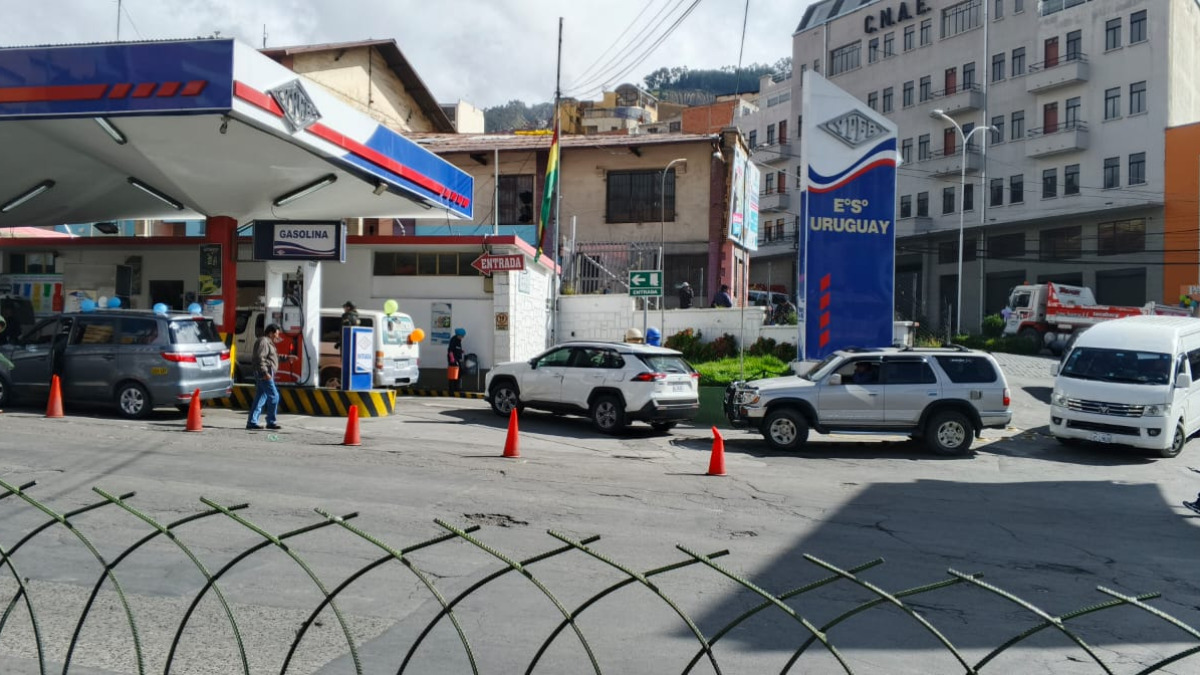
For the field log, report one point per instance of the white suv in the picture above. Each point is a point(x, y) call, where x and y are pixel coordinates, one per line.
point(612, 383)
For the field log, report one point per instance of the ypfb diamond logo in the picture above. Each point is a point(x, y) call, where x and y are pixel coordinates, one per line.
point(853, 128)
point(299, 111)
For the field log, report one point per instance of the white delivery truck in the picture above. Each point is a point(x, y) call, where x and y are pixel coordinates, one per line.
point(1133, 382)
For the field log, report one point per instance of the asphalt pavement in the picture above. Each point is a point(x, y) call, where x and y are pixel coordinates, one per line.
point(1048, 523)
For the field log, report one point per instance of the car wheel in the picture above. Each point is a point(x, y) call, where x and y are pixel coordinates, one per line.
point(608, 414)
point(133, 400)
point(662, 427)
point(505, 398)
point(331, 378)
point(785, 429)
point(1031, 336)
point(1177, 442)
point(949, 433)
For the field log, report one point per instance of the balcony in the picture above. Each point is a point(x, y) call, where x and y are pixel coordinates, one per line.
point(774, 239)
point(769, 153)
point(941, 164)
point(1071, 69)
point(1066, 137)
point(962, 99)
point(774, 201)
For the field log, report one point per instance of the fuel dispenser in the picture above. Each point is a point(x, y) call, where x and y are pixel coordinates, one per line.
point(294, 303)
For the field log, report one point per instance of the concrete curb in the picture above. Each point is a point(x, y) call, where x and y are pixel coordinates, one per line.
point(438, 392)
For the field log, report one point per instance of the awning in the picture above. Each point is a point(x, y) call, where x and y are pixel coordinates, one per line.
point(187, 129)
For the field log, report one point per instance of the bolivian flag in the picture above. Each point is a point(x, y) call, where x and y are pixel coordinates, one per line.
point(548, 190)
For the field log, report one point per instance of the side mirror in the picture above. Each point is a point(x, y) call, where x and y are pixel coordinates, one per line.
point(1054, 370)
point(835, 379)
point(533, 363)
point(1183, 381)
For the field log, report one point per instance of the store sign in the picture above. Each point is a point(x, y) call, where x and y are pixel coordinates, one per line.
point(890, 16)
point(300, 240)
point(299, 111)
point(847, 254)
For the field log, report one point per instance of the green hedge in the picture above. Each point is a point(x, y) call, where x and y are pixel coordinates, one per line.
point(1010, 345)
point(721, 372)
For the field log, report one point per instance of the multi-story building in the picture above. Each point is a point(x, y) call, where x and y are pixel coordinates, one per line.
point(1067, 185)
point(772, 135)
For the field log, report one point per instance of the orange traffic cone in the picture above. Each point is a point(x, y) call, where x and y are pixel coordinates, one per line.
point(512, 441)
point(716, 463)
point(352, 437)
point(54, 408)
point(193, 420)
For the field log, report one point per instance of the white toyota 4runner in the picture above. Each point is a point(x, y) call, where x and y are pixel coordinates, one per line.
point(944, 396)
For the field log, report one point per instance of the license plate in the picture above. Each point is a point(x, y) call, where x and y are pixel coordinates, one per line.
point(679, 387)
point(208, 361)
point(1098, 437)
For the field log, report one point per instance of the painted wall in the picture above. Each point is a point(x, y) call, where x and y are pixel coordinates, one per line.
point(1184, 98)
point(362, 78)
point(1181, 240)
point(607, 317)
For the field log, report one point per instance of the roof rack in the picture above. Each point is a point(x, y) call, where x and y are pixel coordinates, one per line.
point(947, 345)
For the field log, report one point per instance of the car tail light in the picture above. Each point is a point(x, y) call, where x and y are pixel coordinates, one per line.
point(225, 355)
point(649, 377)
point(176, 357)
point(1007, 398)
point(695, 375)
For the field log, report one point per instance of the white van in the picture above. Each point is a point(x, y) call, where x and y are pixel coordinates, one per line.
point(397, 359)
point(1130, 382)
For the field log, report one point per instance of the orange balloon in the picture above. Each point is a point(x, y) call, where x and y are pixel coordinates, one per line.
point(417, 335)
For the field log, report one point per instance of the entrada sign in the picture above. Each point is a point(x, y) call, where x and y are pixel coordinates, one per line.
point(488, 263)
point(888, 19)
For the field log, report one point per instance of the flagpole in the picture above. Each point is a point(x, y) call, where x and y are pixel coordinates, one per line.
point(555, 256)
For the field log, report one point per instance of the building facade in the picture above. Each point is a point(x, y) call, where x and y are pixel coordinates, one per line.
point(1069, 183)
point(613, 214)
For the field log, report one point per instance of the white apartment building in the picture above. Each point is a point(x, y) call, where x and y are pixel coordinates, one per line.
point(770, 131)
point(1068, 185)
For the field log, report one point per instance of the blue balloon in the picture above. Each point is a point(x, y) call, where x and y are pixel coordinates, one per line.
point(160, 308)
point(114, 303)
point(87, 305)
point(195, 308)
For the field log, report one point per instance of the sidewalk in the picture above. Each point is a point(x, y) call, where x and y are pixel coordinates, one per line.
point(1025, 367)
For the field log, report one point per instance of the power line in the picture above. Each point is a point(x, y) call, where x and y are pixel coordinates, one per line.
point(640, 58)
point(588, 70)
point(638, 39)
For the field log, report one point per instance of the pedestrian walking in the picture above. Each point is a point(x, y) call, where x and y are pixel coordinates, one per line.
point(685, 295)
point(454, 359)
point(722, 299)
point(266, 364)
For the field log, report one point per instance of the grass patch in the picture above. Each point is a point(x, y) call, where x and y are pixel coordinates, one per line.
point(721, 372)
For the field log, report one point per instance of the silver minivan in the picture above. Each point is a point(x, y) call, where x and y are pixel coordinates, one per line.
point(138, 360)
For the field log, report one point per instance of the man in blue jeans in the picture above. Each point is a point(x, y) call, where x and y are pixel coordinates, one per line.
point(266, 364)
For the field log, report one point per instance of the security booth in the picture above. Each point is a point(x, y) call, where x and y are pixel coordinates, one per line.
point(208, 130)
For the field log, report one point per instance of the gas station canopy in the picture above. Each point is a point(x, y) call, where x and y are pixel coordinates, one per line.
point(189, 129)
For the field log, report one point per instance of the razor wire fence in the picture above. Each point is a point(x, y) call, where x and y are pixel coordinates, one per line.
point(559, 626)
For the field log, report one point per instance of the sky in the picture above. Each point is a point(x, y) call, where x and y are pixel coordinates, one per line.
point(486, 52)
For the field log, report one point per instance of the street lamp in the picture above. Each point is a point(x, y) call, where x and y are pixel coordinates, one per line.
point(662, 251)
point(938, 113)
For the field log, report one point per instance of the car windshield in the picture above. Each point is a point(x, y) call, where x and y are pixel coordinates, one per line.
point(823, 368)
point(193, 332)
point(1118, 365)
point(666, 363)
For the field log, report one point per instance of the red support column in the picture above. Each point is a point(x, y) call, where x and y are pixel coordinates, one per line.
point(223, 230)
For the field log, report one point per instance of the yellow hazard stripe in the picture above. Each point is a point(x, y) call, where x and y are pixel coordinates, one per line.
point(310, 401)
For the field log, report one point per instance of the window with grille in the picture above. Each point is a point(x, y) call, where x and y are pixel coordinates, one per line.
point(1049, 183)
point(961, 18)
point(633, 196)
point(516, 199)
point(910, 33)
point(844, 58)
point(926, 88)
point(998, 129)
point(907, 99)
point(926, 32)
point(1018, 125)
point(948, 200)
point(1112, 103)
point(997, 67)
point(1016, 189)
point(906, 206)
point(888, 96)
point(922, 204)
point(922, 147)
point(997, 192)
point(1018, 61)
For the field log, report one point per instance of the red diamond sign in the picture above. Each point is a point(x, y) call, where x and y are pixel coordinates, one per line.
point(488, 263)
